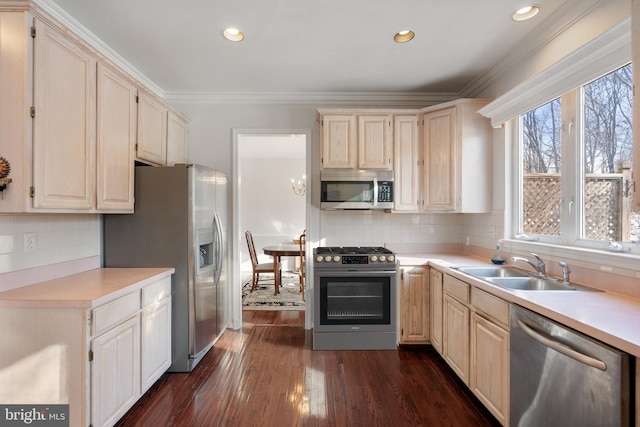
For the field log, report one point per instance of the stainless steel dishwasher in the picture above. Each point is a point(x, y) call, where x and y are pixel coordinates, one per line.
point(560, 377)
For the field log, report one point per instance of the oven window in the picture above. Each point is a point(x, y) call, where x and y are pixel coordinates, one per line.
point(355, 301)
point(347, 191)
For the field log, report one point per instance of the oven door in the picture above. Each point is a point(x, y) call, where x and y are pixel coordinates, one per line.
point(355, 301)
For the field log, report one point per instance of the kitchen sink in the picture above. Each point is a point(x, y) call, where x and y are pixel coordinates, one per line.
point(490, 271)
point(530, 284)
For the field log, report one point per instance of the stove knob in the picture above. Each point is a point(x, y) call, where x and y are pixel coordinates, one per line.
point(319, 258)
point(391, 258)
point(383, 258)
point(327, 258)
point(374, 258)
point(336, 258)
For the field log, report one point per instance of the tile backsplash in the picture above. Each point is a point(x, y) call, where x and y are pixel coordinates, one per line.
point(53, 238)
point(374, 228)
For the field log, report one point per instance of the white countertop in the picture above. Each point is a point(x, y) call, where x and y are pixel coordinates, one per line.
point(87, 289)
point(606, 316)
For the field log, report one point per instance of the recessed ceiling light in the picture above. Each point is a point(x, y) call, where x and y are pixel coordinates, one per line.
point(525, 13)
point(404, 36)
point(232, 34)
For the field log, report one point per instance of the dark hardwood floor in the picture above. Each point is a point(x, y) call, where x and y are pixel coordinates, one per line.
point(268, 375)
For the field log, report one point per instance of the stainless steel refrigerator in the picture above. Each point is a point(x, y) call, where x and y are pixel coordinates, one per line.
point(180, 221)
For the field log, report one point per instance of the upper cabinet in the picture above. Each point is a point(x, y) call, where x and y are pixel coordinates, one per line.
point(116, 133)
point(338, 141)
point(152, 129)
point(176, 139)
point(64, 117)
point(69, 122)
point(356, 139)
point(457, 158)
point(375, 146)
point(406, 169)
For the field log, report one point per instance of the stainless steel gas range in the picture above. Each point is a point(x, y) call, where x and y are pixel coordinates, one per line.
point(354, 298)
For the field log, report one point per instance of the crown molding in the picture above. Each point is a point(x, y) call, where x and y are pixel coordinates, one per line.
point(334, 99)
point(562, 19)
point(59, 14)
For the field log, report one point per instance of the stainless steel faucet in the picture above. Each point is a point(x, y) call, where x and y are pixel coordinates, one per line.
point(538, 266)
point(565, 271)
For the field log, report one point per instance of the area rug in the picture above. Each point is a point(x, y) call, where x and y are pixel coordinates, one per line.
point(262, 298)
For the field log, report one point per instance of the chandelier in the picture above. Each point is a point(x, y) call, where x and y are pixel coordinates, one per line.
point(300, 187)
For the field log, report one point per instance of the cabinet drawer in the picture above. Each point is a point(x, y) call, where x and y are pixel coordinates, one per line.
point(491, 306)
point(456, 288)
point(156, 292)
point(110, 314)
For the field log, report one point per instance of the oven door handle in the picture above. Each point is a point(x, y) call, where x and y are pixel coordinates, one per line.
point(347, 272)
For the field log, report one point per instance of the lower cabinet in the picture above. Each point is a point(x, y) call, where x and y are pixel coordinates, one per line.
point(97, 360)
point(455, 336)
point(435, 308)
point(489, 377)
point(470, 329)
point(114, 372)
point(414, 305)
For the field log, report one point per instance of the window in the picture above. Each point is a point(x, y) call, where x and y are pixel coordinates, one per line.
point(575, 166)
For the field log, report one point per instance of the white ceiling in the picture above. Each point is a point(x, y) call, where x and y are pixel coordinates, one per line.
point(309, 46)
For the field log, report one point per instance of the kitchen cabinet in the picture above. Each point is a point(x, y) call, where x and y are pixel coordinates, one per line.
point(635, 59)
point(99, 360)
point(116, 133)
point(489, 353)
point(406, 144)
point(435, 311)
point(356, 139)
point(338, 141)
point(374, 142)
point(67, 121)
point(114, 372)
point(151, 146)
point(64, 114)
point(155, 332)
point(176, 138)
point(455, 326)
point(456, 155)
point(414, 305)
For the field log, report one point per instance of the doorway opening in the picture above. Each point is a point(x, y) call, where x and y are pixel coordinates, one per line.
point(267, 205)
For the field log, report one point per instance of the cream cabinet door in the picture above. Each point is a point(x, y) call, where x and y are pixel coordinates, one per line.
point(455, 336)
point(414, 306)
point(406, 170)
point(435, 300)
point(64, 130)
point(176, 139)
point(439, 183)
point(155, 347)
point(116, 133)
point(115, 374)
point(489, 377)
point(339, 141)
point(152, 129)
point(375, 146)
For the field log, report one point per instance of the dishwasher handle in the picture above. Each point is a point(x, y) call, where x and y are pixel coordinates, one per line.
point(562, 348)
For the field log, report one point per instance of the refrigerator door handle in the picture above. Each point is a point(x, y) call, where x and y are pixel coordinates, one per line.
point(217, 232)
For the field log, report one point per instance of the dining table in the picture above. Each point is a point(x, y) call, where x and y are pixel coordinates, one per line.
point(277, 252)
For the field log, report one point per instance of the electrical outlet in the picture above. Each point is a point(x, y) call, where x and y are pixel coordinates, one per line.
point(30, 242)
point(432, 230)
point(492, 232)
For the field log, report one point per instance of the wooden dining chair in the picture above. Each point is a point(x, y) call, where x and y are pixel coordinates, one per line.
point(258, 268)
point(302, 240)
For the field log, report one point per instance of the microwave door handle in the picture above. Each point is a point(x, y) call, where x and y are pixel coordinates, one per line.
point(375, 192)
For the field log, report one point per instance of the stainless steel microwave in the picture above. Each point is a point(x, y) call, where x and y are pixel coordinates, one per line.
point(356, 189)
